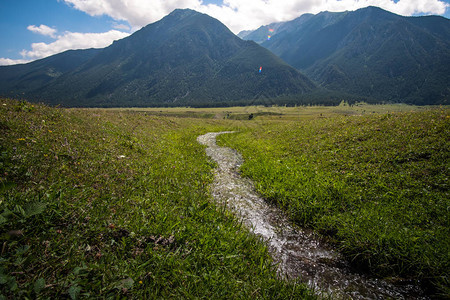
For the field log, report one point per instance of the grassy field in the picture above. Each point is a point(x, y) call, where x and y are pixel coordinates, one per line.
point(278, 113)
point(104, 204)
point(377, 184)
point(115, 202)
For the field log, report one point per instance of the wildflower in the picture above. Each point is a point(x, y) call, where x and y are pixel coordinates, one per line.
point(50, 131)
point(140, 282)
point(21, 139)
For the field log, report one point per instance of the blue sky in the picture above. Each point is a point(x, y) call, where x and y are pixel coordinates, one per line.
point(32, 29)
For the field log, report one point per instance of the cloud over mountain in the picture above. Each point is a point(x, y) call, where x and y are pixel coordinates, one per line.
point(9, 61)
point(43, 29)
point(250, 14)
point(73, 40)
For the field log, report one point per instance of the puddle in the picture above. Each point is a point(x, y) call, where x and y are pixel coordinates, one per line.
point(298, 253)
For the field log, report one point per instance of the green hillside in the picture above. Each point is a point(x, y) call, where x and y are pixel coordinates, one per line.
point(20, 80)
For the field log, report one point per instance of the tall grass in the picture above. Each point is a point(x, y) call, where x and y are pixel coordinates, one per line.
point(105, 204)
point(376, 184)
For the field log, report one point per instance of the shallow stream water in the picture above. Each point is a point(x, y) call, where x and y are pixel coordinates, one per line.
point(298, 253)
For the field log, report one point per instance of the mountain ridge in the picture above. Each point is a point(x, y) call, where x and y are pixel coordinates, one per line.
point(185, 58)
point(190, 58)
point(369, 52)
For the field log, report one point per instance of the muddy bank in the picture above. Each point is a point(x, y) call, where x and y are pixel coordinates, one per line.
point(298, 253)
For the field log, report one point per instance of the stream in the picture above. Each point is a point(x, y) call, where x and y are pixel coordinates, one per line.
point(298, 253)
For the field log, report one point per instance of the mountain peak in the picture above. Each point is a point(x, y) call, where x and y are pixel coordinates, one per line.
point(374, 8)
point(185, 14)
point(376, 12)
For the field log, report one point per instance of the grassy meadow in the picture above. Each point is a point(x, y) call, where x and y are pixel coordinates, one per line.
point(113, 203)
point(104, 204)
point(376, 184)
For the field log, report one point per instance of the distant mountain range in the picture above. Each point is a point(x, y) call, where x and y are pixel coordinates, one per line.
point(368, 52)
point(186, 58)
point(189, 58)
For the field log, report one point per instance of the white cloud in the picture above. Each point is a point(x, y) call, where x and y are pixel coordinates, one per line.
point(43, 29)
point(245, 14)
point(121, 26)
point(250, 14)
point(9, 61)
point(137, 12)
point(73, 40)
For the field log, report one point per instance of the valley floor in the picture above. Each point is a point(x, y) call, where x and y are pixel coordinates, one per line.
point(101, 203)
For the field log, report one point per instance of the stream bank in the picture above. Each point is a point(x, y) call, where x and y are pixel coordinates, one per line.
point(298, 253)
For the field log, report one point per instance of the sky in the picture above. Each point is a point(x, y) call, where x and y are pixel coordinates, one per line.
point(34, 29)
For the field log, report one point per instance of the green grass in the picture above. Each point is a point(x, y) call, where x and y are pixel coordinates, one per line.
point(277, 113)
point(114, 204)
point(377, 184)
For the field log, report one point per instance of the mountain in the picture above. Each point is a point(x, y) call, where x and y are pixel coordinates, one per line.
point(23, 78)
point(368, 52)
point(183, 59)
point(261, 34)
